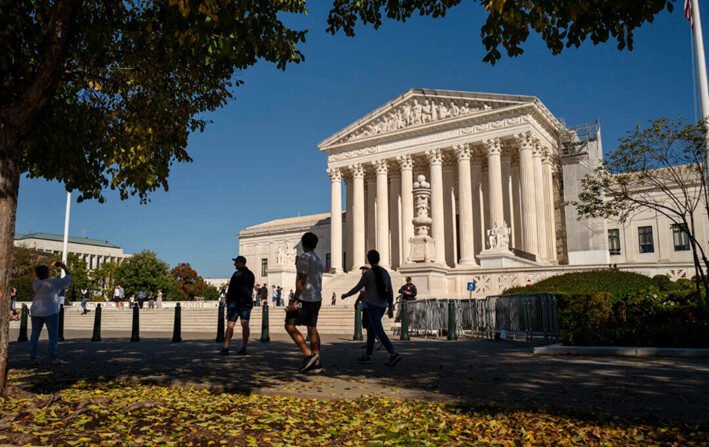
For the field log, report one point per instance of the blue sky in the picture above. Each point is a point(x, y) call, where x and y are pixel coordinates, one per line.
point(259, 160)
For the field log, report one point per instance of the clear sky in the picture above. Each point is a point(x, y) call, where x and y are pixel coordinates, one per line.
point(258, 160)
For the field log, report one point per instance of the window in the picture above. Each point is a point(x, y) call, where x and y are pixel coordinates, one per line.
point(327, 261)
point(264, 267)
point(645, 240)
point(681, 237)
point(614, 241)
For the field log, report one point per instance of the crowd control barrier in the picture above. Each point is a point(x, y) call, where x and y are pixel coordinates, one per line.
point(527, 315)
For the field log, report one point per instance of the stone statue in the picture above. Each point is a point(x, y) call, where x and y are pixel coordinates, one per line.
point(442, 111)
point(416, 112)
point(426, 112)
point(454, 110)
point(499, 236)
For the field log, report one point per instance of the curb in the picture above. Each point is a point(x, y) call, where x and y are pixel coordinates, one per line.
point(621, 351)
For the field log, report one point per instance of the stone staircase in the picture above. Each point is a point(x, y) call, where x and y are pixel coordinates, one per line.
point(343, 282)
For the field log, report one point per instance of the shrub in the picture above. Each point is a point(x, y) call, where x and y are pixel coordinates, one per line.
point(685, 284)
point(23, 284)
point(616, 283)
point(662, 282)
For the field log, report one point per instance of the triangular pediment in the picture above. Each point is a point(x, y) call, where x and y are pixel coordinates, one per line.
point(418, 108)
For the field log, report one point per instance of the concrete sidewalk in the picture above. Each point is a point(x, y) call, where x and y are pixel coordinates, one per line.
point(502, 372)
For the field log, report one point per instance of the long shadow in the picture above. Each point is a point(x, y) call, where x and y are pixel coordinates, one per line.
point(467, 371)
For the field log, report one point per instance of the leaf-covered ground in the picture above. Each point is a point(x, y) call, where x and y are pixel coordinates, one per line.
point(114, 412)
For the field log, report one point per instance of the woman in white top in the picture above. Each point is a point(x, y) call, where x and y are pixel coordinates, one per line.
point(45, 308)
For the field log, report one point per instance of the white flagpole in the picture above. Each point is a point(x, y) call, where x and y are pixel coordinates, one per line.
point(701, 64)
point(65, 248)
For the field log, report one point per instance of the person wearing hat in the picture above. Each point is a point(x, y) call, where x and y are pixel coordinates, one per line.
point(239, 304)
point(407, 292)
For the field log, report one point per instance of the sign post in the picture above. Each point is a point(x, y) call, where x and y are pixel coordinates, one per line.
point(471, 289)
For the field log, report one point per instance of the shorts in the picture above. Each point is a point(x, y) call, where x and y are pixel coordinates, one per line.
point(233, 313)
point(305, 316)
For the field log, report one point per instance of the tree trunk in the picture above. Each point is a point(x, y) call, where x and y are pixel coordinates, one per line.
point(9, 185)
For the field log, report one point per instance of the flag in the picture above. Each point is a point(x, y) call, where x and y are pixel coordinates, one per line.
point(688, 12)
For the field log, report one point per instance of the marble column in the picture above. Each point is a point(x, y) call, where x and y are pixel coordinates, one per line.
point(549, 205)
point(407, 204)
point(539, 197)
point(394, 217)
point(382, 170)
point(478, 215)
point(370, 213)
point(494, 170)
point(526, 178)
point(507, 193)
point(435, 159)
point(465, 205)
point(335, 219)
point(348, 225)
point(357, 215)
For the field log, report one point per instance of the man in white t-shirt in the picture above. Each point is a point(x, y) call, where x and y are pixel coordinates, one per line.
point(303, 309)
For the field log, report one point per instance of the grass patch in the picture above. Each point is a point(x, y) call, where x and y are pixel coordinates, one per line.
point(122, 413)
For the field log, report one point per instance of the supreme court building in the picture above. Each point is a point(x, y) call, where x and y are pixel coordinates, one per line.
point(498, 171)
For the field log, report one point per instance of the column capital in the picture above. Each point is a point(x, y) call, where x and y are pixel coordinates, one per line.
point(405, 161)
point(335, 174)
point(435, 156)
point(524, 140)
point(357, 170)
point(380, 166)
point(493, 146)
point(537, 149)
point(462, 151)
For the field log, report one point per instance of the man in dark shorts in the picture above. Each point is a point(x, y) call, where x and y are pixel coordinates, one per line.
point(239, 304)
point(303, 309)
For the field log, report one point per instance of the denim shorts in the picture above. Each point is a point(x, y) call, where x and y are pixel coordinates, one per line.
point(233, 313)
point(305, 316)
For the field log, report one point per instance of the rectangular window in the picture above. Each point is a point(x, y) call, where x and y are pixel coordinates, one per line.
point(264, 267)
point(645, 240)
point(614, 241)
point(327, 261)
point(680, 237)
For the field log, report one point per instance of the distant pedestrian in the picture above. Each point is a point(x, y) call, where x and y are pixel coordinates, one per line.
point(151, 301)
point(305, 306)
point(45, 308)
point(222, 297)
point(117, 294)
point(406, 292)
point(379, 298)
point(334, 299)
point(141, 298)
point(13, 299)
point(255, 294)
point(239, 304)
point(263, 295)
point(85, 297)
point(131, 301)
point(274, 296)
point(159, 300)
point(280, 296)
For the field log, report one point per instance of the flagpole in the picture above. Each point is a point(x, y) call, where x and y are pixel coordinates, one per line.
point(701, 66)
point(65, 248)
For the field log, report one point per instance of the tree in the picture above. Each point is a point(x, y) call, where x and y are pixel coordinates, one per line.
point(559, 24)
point(143, 271)
point(660, 168)
point(103, 279)
point(191, 284)
point(103, 94)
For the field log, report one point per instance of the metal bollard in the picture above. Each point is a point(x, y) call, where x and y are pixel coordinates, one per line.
point(134, 337)
point(358, 324)
point(404, 321)
point(176, 337)
point(264, 324)
point(23, 323)
point(97, 324)
point(61, 322)
point(452, 335)
point(220, 324)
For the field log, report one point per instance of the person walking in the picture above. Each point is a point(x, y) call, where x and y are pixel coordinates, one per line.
point(239, 304)
point(85, 296)
point(159, 300)
point(379, 298)
point(13, 299)
point(45, 308)
point(334, 299)
point(263, 295)
point(303, 309)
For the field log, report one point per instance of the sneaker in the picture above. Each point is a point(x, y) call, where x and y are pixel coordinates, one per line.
point(364, 359)
point(224, 351)
point(316, 369)
point(242, 351)
point(394, 359)
point(57, 361)
point(308, 362)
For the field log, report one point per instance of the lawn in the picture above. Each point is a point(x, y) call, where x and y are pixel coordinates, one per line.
point(111, 412)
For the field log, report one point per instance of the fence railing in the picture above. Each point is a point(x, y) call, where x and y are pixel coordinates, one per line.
point(527, 316)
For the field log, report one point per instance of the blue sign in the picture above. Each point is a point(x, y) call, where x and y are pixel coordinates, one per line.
point(471, 286)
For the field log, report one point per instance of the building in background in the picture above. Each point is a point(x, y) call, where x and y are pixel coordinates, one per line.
point(94, 251)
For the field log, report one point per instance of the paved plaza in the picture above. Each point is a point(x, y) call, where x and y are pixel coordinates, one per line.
point(484, 371)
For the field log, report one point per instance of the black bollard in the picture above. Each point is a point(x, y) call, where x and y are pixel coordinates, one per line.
point(23, 323)
point(404, 320)
point(61, 322)
point(220, 324)
point(358, 324)
point(452, 335)
point(135, 337)
point(264, 324)
point(97, 324)
point(177, 329)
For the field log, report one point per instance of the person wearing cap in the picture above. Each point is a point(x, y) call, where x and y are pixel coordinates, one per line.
point(239, 304)
point(406, 292)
